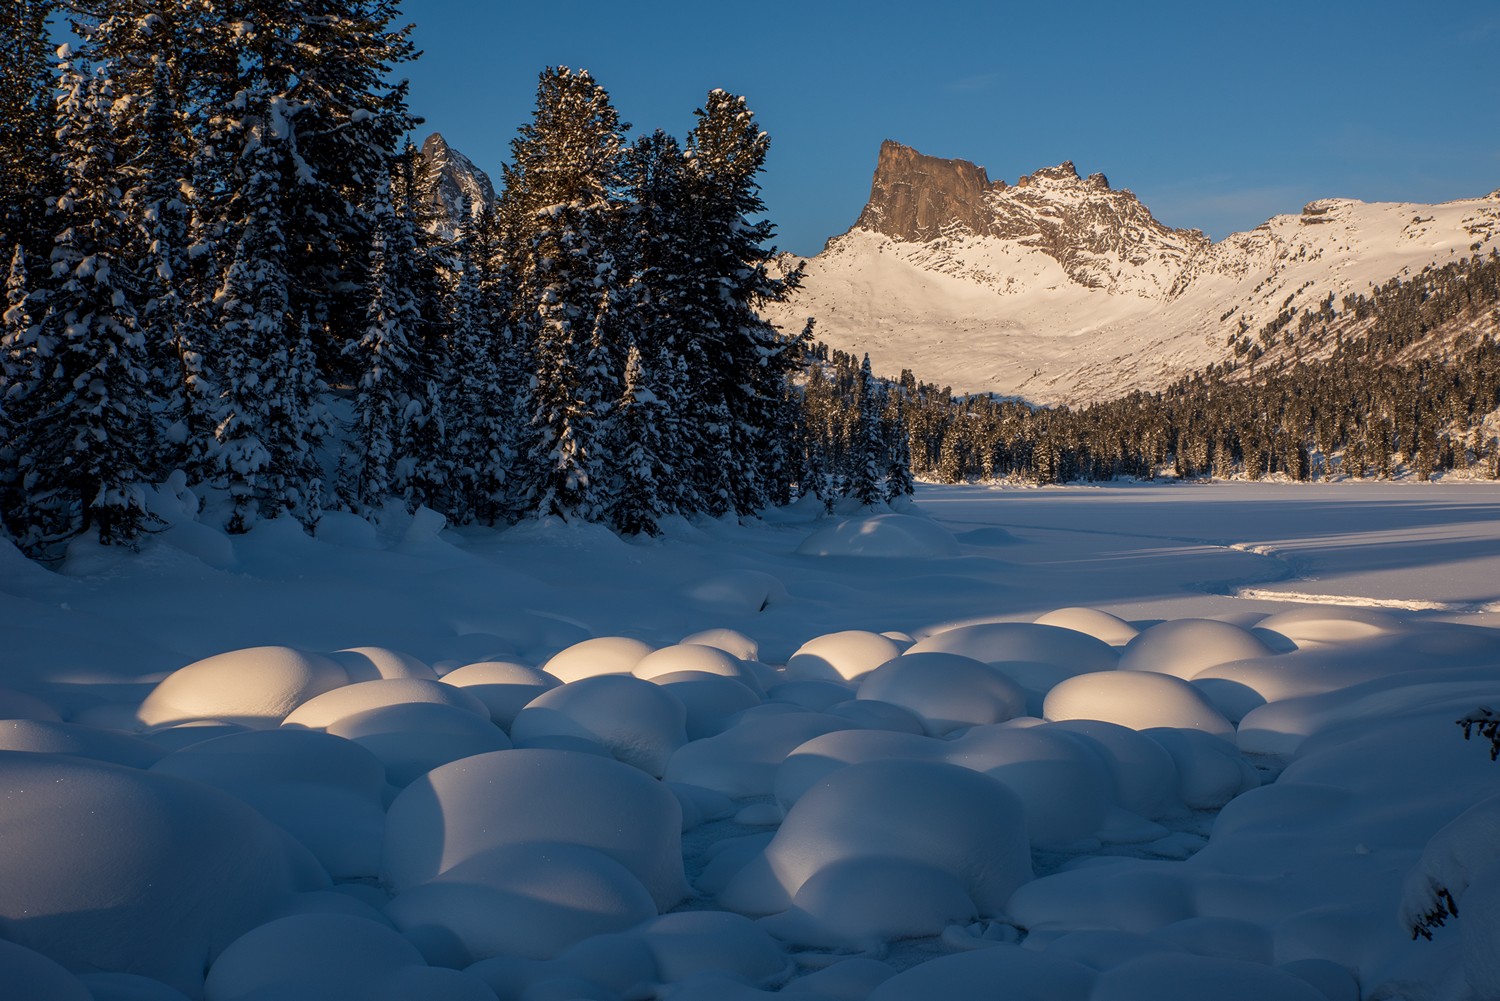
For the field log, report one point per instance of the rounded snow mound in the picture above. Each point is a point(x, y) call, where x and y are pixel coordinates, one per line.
point(841, 656)
point(324, 711)
point(49, 737)
point(504, 687)
point(593, 657)
point(1101, 625)
point(710, 700)
point(19, 705)
point(489, 801)
point(310, 956)
point(112, 868)
point(413, 738)
point(532, 900)
point(373, 663)
point(889, 810)
point(1183, 647)
point(1331, 624)
point(881, 535)
point(255, 687)
point(692, 657)
point(1139, 700)
point(1034, 656)
point(28, 974)
point(731, 641)
point(741, 761)
point(325, 791)
point(946, 690)
point(638, 722)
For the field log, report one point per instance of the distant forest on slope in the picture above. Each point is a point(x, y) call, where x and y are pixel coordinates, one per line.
point(1402, 380)
point(221, 275)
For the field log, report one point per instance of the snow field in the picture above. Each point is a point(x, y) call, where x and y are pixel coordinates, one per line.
point(1079, 806)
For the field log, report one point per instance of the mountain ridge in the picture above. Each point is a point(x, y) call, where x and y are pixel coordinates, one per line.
point(1062, 289)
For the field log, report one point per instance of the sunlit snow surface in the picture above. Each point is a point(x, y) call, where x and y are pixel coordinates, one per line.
point(1115, 744)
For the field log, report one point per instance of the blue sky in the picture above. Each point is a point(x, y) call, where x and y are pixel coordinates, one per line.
point(1218, 115)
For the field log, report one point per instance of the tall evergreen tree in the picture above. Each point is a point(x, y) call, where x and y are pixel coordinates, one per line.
point(639, 464)
point(868, 452)
point(266, 438)
point(561, 202)
point(28, 127)
point(741, 360)
point(383, 360)
point(83, 428)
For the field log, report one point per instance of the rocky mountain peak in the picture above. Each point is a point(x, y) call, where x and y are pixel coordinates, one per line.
point(1099, 235)
point(447, 177)
point(914, 197)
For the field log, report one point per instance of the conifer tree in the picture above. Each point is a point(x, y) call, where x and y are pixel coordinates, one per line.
point(265, 434)
point(560, 202)
point(28, 127)
point(868, 453)
point(383, 359)
point(639, 466)
point(741, 360)
point(83, 427)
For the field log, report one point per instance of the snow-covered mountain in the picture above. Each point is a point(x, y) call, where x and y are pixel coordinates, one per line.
point(1062, 289)
point(446, 178)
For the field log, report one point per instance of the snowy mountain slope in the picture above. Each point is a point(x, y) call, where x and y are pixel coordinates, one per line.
point(1061, 289)
point(446, 178)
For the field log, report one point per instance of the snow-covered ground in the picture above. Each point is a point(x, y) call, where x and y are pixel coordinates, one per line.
point(1107, 743)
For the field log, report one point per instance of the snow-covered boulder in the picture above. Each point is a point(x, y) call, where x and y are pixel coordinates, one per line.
point(325, 791)
point(531, 900)
point(489, 801)
point(1101, 625)
point(890, 810)
point(841, 656)
point(1137, 699)
point(947, 691)
point(327, 709)
point(373, 663)
point(1034, 656)
point(50, 737)
point(640, 723)
point(505, 687)
point(256, 687)
point(332, 957)
point(1184, 647)
point(111, 868)
point(413, 738)
point(600, 655)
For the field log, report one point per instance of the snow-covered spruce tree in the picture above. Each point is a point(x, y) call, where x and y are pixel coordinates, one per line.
point(266, 434)
point(20, 371)
point(898, 478)
point(325, 62)
point(82, 429)
point(28, 143)
point(423, 472)
point(561, 204)
point(868, 452)
point(740, 361)
point(478, 425)
point(382, 358)
point(638, 465)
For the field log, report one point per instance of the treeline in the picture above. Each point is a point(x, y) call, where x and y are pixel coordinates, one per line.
point(1404, 379)
point(220, 264)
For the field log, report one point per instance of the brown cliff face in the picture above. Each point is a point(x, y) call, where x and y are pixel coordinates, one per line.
point(1087, 227)
point(913, 197)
